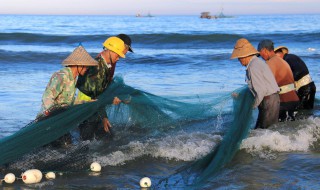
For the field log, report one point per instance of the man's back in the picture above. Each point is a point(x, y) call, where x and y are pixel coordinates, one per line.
point(298, 67)
point(283, 75)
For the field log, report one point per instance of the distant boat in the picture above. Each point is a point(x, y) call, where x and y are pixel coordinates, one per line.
point(208, 16)
point(148, 15)
point(221, 15)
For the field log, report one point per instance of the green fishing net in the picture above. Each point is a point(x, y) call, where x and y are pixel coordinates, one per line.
point(144, 111)
point(145, 116)
point(227, 148)
point(197, 173)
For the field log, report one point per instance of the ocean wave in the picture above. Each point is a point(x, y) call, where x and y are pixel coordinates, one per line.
point(55, 54)
point(9, 57)
point(154, 38)
point(283, 137)
point(181, 147)
point(33, 38)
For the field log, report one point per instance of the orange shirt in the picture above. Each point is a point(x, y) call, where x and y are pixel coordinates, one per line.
point(283, 74)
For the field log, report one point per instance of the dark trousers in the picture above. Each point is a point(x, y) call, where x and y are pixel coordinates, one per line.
point(306, 95)
point(88, 130)
point(92, 128)
point(63, 141)
point(268, 111)
point(287, 111)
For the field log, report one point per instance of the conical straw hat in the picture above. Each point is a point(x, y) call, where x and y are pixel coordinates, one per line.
point(284, 49)
point(79, 56)
point(243, 48)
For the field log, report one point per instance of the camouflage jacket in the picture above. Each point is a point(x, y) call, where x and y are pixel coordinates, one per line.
point(60, 90)
point(96, 79)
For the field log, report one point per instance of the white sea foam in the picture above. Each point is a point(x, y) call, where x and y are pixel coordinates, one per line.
point(266, 142)
point(182, 146)
point(311, 49)
point(119, 157)
point(185, 147)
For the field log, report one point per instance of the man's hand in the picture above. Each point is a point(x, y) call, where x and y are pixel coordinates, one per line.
point(106, 125)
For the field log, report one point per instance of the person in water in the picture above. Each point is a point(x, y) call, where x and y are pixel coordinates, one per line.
point(305, 87)
point(261, 83)
point(60, 91)
point(96, 80)
point(289, 100)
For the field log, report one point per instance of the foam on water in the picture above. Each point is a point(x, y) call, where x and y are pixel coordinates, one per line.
point(266, 142)
point(182, 147)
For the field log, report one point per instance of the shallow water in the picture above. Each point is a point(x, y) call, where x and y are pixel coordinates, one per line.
point(184, 58)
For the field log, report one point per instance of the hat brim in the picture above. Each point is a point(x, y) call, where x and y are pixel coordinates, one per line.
point(236, 55)
point(284, 49)
point(130, 49)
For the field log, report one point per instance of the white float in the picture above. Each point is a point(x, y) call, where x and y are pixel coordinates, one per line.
point(31, 176)
point(51, 175)
point(9, 178)
point(145, 182)
point(95, 167)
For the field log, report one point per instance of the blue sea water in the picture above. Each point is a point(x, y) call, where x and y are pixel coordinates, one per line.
point(177, 57)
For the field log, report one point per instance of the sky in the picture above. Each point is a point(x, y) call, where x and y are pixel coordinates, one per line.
point(158, 7)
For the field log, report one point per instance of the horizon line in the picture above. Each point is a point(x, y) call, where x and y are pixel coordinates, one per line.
point(258, 14)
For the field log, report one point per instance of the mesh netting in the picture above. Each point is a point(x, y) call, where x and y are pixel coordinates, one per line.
point(144, 115)
point(225, 151)
point(198, 172)
point(150, 113)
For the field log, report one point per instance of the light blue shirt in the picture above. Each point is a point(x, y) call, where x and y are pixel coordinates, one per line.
point(260, 79)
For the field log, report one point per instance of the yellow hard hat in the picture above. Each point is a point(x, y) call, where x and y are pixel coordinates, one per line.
point(116, 45)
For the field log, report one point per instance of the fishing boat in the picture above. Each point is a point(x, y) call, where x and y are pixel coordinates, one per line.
point(140, 15)
point(221, 15)
point(207, 15)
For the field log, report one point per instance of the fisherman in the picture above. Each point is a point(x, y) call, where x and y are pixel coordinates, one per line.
point(60, 91)
point(96, 80)
point(289, 100)
point(261, 83)
point(305, 87)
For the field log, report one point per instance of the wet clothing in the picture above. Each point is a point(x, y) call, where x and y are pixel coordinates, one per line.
point(268, 111)
point(289, 99)
point(288, 110)
point(307, 94)
point(59, 94)
point(264, 88)
point(60, 90)
point(305, 88)
point(92, 84)
point(92, 129)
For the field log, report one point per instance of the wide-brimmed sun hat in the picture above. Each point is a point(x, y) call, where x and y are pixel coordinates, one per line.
point(79, 57)
point(284, 49)
point(243, 48)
